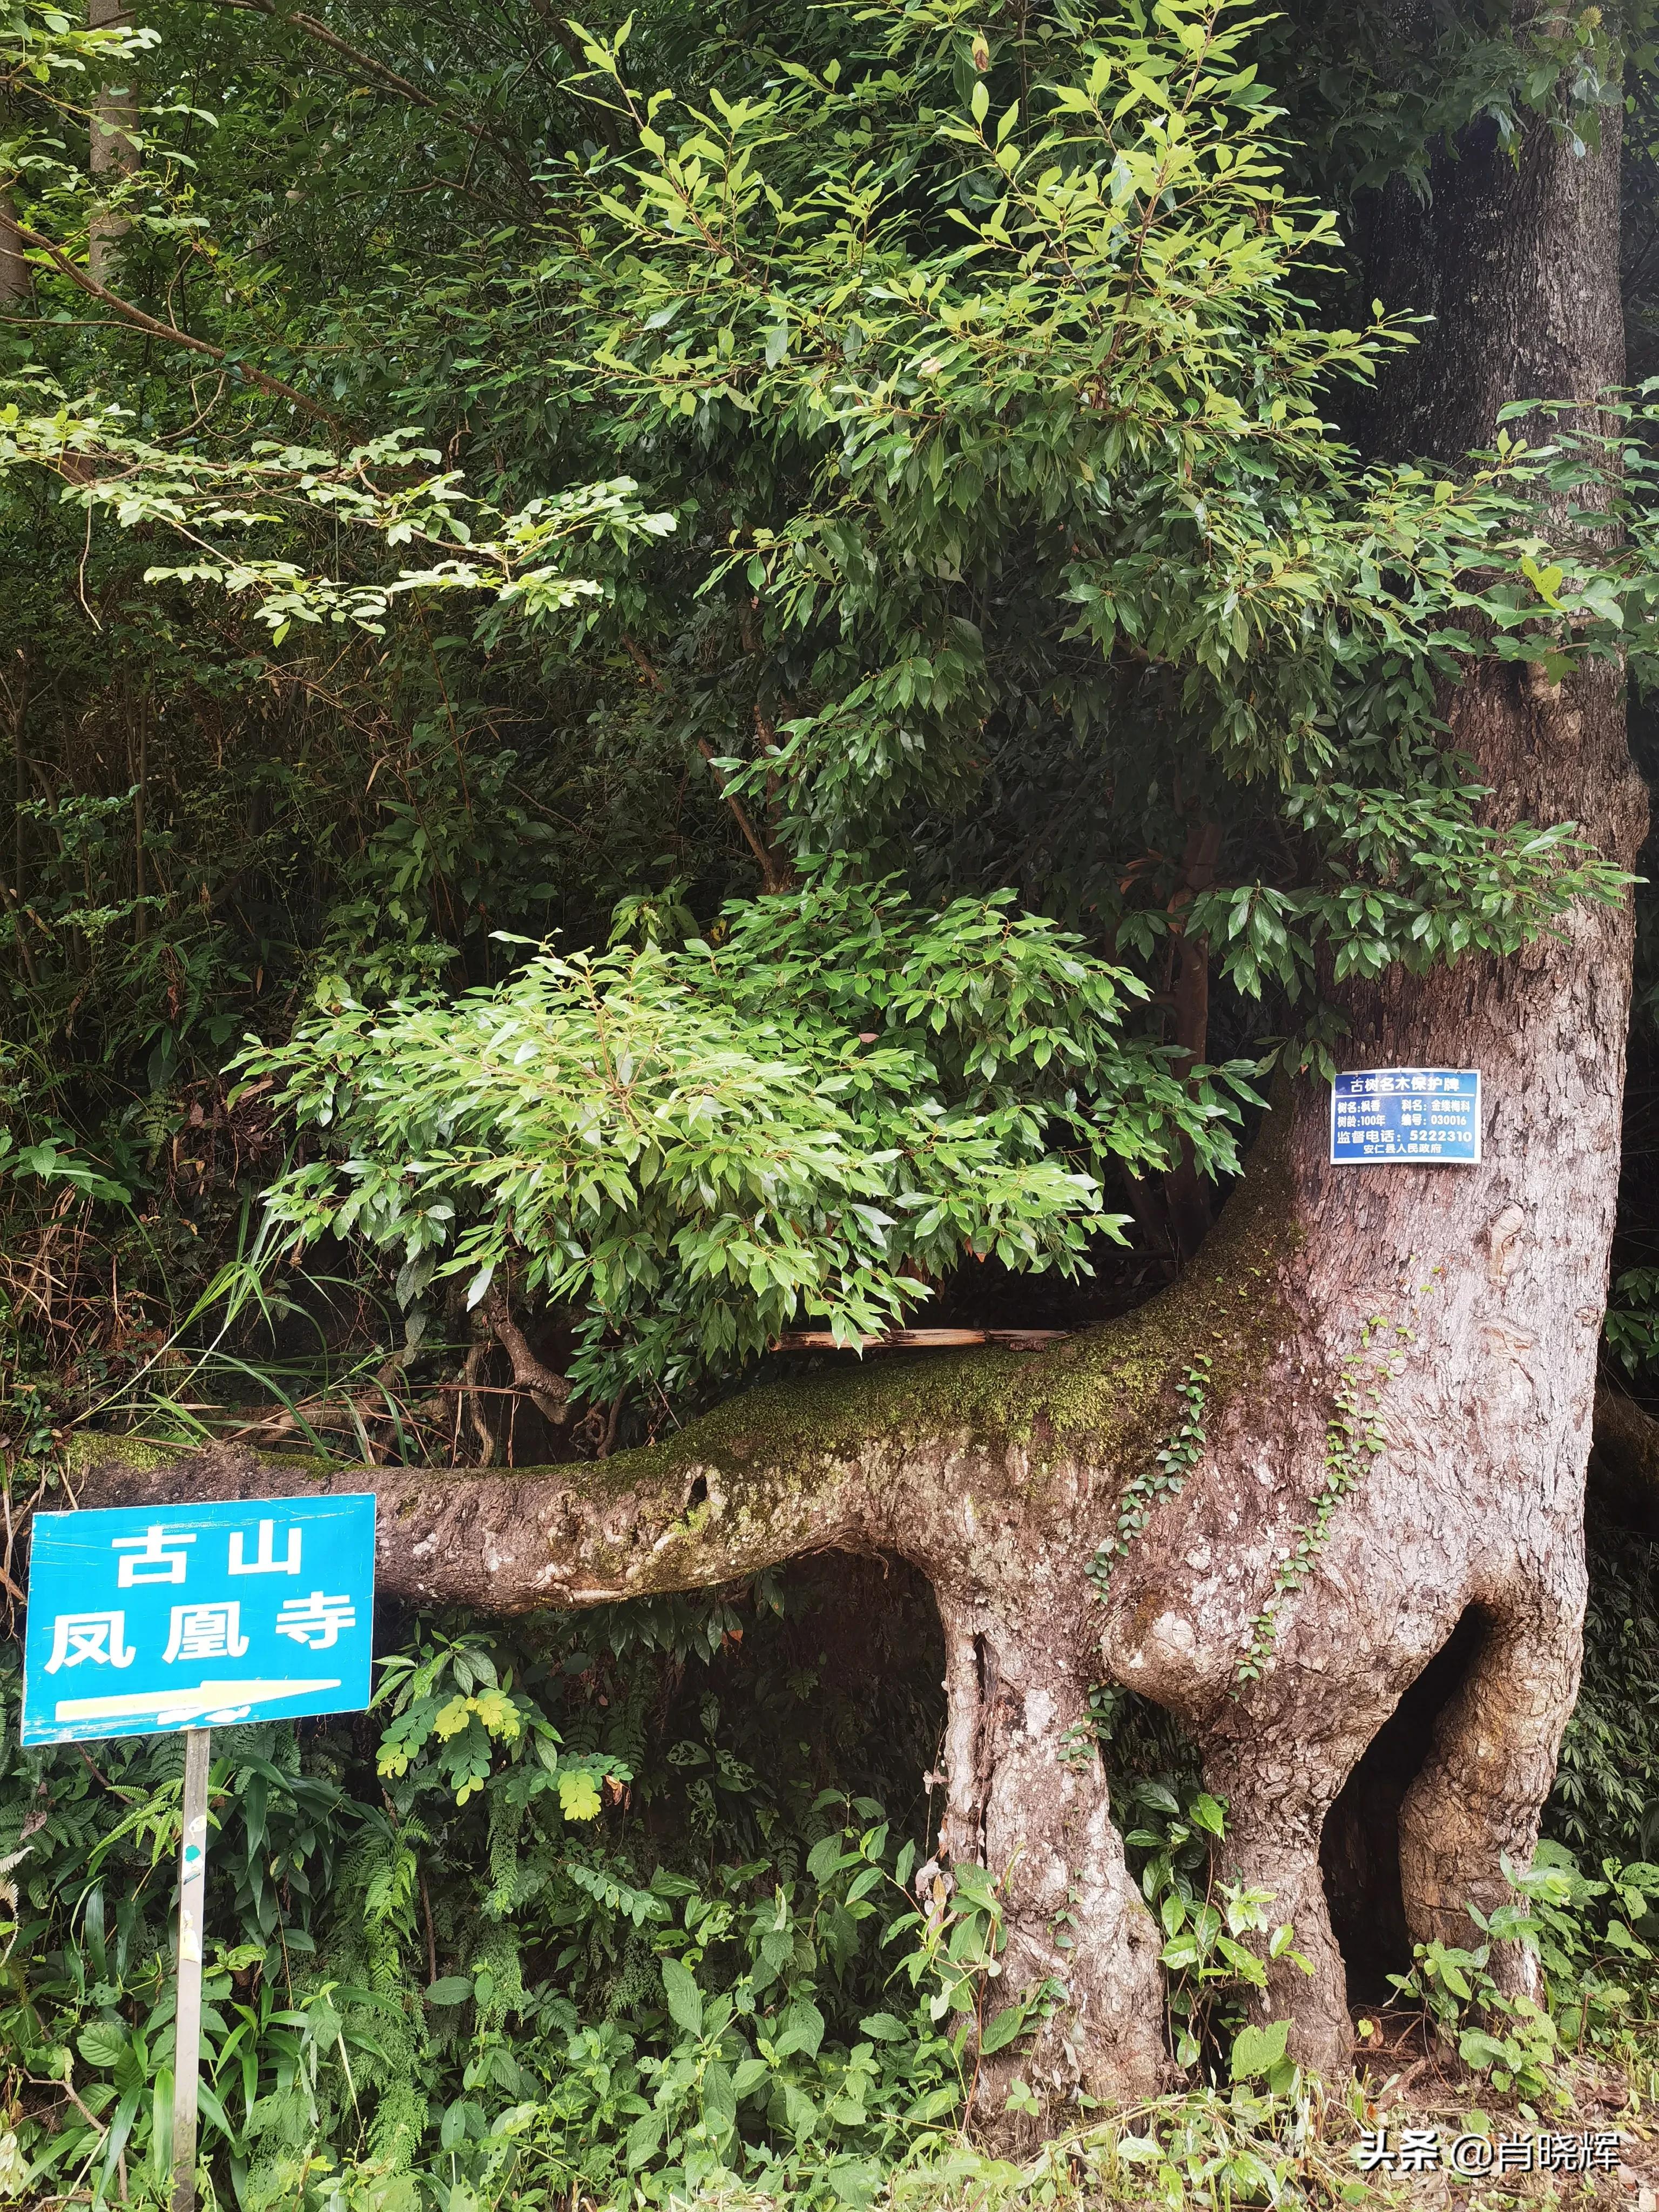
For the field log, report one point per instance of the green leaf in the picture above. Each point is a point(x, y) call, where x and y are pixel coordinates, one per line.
point(1207, 1812)
point(643, 2138)
point(684, 1998)
point(720, 2101)
point(1002, 2029)
point(1257, 2050)
point(100, 2043)
point(802, 2030)
point(825, 1857)
point(579, 1794)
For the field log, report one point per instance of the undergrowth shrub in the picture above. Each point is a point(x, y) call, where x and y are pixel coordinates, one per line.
point(621, 1907)
point(573, 1909)
point(1606, 1800)
point(1593, 1974)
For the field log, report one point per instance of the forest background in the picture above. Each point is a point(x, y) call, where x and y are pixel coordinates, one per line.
point(624, 1904)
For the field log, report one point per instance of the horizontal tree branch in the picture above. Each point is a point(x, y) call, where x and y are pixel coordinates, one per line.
point(960, 1461)
point(918, 1339)
point(507, 1541)
point(136, 318)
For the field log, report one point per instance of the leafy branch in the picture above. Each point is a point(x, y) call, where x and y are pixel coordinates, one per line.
point(374, 488)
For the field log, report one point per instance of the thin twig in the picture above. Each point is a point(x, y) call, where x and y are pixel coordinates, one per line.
point(431, 1940)
point(98, 1776)
point(155, 328)
point(387, 78)
point(775, 870)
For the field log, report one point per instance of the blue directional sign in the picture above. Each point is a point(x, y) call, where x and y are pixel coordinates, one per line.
point(1415, 1114)
point(197, 1615)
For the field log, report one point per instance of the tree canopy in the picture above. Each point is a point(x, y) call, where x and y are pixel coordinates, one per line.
point(990, 517)
point(699, 676)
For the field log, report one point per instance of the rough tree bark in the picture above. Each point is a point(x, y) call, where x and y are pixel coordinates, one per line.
point(1186, 1193)
point(113, 143)
point(1446, 1594)
point(14, 269)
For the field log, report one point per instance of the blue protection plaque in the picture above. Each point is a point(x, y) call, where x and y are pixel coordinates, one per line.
point(1426, 1114)
point(198, 1615)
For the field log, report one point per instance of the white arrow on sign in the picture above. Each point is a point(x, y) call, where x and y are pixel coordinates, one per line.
point(183, 1705)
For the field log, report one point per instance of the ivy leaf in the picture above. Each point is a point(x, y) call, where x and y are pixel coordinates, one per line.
point(1002, 2029)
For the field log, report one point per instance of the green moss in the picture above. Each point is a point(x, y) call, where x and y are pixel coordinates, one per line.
point(86, 1450)
point(1109, 1390)
point(779, 1450)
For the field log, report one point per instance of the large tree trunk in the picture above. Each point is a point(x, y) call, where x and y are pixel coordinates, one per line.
point(1454, 1312)
point(14, 269)
point(113, 142)
point(1395, 1701)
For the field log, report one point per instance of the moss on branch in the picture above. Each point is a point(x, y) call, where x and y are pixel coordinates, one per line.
point(862, 1455)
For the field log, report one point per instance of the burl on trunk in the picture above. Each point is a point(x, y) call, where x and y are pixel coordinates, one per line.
point(1399, 1366)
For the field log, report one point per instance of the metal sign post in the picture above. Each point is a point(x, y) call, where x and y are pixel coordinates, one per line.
point(187, 2039)
point(158, 1618)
